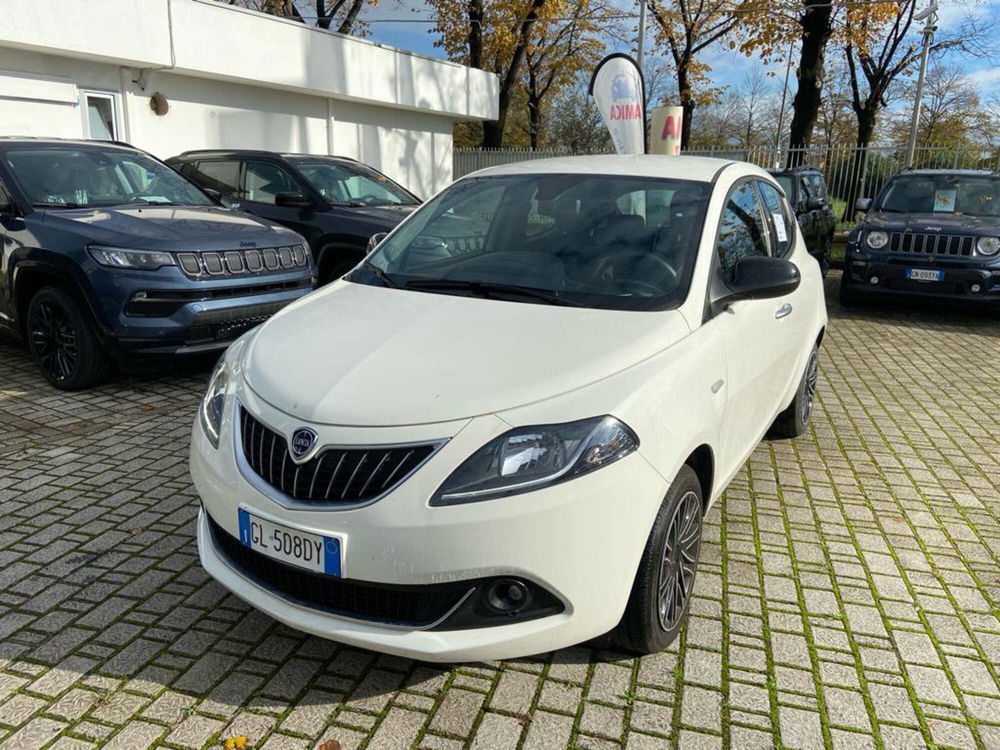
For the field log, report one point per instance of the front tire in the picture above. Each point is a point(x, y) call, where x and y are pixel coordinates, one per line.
point(794, 420)
point(661, 593)
point(63, 342)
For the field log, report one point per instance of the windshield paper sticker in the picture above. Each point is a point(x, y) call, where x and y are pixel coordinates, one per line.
point(779, 227)
point(944, 201)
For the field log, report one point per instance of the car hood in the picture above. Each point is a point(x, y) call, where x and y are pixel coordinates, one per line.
point(385, 216)
point(166, 227)
point(358, 355)
point(944, 223)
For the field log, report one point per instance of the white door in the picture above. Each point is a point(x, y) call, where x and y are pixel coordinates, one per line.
point(753, 331)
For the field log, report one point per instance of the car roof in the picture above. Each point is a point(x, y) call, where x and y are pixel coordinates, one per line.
point(695, 168)
point(794, 170)
point(968, 172)
point(17, 140)
point(237, 152)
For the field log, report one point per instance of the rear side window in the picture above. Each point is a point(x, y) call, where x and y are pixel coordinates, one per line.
point(778, 215)
point(223, 176)
point(741, 231)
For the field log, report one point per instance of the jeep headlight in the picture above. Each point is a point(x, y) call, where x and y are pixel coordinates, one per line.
point(122, 257)
point(214, 403)
point(529, 458)
point(877, 240)
point(988, 245)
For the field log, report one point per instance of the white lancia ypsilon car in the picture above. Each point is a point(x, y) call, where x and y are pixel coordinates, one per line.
point(499, 435)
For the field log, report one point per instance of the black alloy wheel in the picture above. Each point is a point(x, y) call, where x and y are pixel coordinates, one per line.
point(54, 341)
point(62, 341)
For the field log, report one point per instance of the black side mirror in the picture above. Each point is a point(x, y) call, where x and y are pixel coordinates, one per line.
point(760, 277)
point(292, 200)
point(863, 205)
point(814, 204)
point(375, 239)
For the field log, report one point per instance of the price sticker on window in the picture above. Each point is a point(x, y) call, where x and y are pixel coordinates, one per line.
point(779, 227)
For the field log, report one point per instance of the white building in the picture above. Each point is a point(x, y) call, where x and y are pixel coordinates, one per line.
point(224, 77)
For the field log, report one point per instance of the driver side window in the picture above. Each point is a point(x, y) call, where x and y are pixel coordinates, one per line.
point(741, 230)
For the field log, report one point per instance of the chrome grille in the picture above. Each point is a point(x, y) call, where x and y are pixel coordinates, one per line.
point(927, 243)
point(334, 475)
point(242, 262)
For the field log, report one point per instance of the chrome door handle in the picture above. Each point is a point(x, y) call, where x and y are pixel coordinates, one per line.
point(784, 311)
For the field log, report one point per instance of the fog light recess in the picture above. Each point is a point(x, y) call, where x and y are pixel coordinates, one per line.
point(507, 596)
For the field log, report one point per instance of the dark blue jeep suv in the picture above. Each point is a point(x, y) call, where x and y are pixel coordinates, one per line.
point(108, 254)
point(930, 234)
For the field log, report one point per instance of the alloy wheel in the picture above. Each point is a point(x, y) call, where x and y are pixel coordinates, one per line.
point(54, 340)
point(679, 561)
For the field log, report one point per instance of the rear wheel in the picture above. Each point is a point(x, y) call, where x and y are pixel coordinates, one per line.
point(62, 341)
point(794, 420)
point(661, 592)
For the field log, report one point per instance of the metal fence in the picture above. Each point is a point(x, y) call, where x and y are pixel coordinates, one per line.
point(850, 172)
point(470, 159)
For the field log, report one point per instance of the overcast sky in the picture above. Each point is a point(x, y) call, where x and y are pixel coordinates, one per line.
point(407, 24)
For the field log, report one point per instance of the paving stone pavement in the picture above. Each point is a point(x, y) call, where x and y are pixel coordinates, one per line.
point(848, 595)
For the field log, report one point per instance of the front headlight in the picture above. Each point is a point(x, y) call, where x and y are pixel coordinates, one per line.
point(120, 257)
point(529, 458)
point(877, 240)
point(214, 402)
point(988, 245)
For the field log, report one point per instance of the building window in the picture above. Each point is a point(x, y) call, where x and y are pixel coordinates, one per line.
point(100, 121)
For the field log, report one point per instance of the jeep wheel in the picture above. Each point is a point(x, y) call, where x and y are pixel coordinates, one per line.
point(63, 342)
point(661, 593)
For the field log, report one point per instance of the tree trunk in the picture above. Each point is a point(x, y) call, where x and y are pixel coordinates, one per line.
point(493, 130)
point(687, 103)
point(867, 117)
point(816, 30)
point(347, 25)
point(476, 34)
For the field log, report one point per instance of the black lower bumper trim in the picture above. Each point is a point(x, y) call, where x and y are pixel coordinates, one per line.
point(456, 605)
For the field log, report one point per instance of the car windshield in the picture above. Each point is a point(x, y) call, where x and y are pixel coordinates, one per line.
point(354, 185)
point(624, 243)
point(91, 176)
point(960, 195)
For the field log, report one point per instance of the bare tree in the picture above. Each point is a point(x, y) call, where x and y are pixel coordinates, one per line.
point(881, 50)
point(339, 15)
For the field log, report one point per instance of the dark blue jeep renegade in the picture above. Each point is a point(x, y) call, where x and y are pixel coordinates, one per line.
point(108, 254)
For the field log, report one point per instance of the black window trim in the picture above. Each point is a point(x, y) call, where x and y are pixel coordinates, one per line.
point(713, 272)
point(769, 219)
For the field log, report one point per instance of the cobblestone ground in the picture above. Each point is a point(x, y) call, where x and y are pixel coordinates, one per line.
point(848, 593)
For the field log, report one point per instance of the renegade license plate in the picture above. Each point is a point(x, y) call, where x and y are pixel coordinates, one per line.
point(303, 549)
point(924, 274)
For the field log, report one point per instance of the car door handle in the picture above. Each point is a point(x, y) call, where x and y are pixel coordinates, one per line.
point(784, 311)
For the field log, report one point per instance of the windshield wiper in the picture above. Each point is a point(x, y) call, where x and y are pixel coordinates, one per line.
point(381, 275)
point(489, 290)
point(53, 204)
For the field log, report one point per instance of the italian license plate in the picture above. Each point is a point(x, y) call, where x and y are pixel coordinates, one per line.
point(924, 274)
point(303, 549)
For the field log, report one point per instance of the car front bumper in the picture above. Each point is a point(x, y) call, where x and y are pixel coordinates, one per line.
point(580, 541)
point(888, 277)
